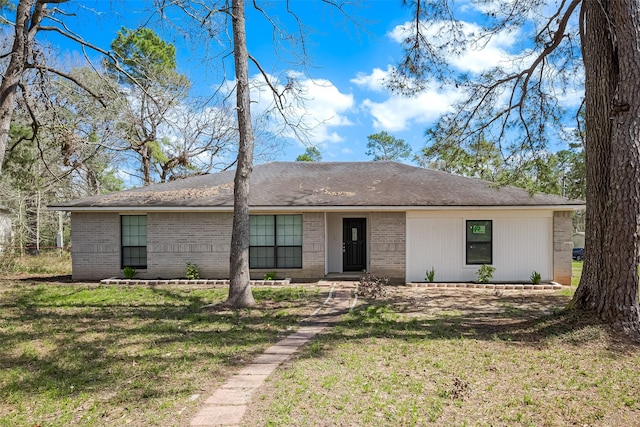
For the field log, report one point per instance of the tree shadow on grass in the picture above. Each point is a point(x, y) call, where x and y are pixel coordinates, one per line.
point(57, 347)
point(128, 354)
point(66, 278)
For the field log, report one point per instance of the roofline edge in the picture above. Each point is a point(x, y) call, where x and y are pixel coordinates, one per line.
point(312, 208)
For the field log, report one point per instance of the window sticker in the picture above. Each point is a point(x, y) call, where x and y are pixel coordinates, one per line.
point(479, 229)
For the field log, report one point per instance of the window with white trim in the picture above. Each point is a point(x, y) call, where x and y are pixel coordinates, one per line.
point(479, 242)
point(275, 241)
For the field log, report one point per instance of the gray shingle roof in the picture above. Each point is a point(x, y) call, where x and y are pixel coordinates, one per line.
point(326, 184)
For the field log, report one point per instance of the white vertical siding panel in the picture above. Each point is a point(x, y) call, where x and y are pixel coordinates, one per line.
point(334, 243)
point(520, 246)
point(437, 243)
point(522, 243)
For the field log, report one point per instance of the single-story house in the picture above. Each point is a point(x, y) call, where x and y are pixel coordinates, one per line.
point(311, 219)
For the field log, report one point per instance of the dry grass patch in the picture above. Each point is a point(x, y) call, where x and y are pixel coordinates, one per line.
point(458, 358)
point(49, 265)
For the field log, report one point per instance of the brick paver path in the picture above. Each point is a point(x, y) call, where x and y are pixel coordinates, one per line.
point(227, 405)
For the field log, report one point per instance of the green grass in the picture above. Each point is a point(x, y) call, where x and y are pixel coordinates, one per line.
point(427, 358)
point(94, 355)
point(576, 272)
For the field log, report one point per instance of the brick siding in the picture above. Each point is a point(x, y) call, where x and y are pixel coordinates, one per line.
point(175, 238)
point(562, 246)
point(388, 245)
point(95, 250)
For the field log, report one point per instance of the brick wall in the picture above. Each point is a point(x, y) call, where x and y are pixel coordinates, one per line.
point(95, 250)
point(175, 238)
point(388, 245)
point(562, 246)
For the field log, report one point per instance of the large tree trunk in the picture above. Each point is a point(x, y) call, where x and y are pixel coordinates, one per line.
point(611, 51)
point(239, 287)
point(20, 50)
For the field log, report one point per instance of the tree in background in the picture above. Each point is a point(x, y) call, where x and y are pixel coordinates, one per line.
point(87, 130)
point(518, 104)
point(53, 152)
point(383, 146)
point(27, 59)
point(571, 162)
point(477, 159)
point(560, 173)
point(146, 67)
point(28, 19)
point(311, 154)
point(172, 136)
point(27, 187)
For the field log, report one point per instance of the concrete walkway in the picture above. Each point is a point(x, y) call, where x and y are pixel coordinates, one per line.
point(227, 405)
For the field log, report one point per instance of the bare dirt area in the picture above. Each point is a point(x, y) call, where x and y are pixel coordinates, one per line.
point(452, 357)
point(477, 311)
point(476, 302)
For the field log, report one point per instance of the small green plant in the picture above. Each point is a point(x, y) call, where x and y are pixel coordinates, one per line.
point(430, 275)
point(270, 275)
point(535, 277)
point(485, 273)
point(192, 271)
point(129, 272)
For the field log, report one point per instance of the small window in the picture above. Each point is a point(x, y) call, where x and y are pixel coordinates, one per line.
point(134, 241)
point(275, 241)
point(479, 242)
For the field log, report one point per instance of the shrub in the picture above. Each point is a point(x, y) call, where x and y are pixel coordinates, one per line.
point(535, 277)
point(129, 272)
point(270, 275)
point(430, 275)
point(192, 272)
point(485, 273)
point(372, 287)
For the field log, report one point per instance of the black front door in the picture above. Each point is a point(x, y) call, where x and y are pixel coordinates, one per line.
point(354, 248)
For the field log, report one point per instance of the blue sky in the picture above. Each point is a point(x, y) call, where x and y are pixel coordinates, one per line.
point(345, 99)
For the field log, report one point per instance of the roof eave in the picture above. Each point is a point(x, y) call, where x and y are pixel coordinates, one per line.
point(332, 208)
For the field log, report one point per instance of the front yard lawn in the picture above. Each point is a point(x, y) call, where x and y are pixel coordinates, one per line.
point(90, 355)
point(458, 358)
point(93, 355)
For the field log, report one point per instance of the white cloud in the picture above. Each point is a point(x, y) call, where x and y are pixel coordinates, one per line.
point(313, 107)
point(465, 54)
point(396, 113)
point(373, 81)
